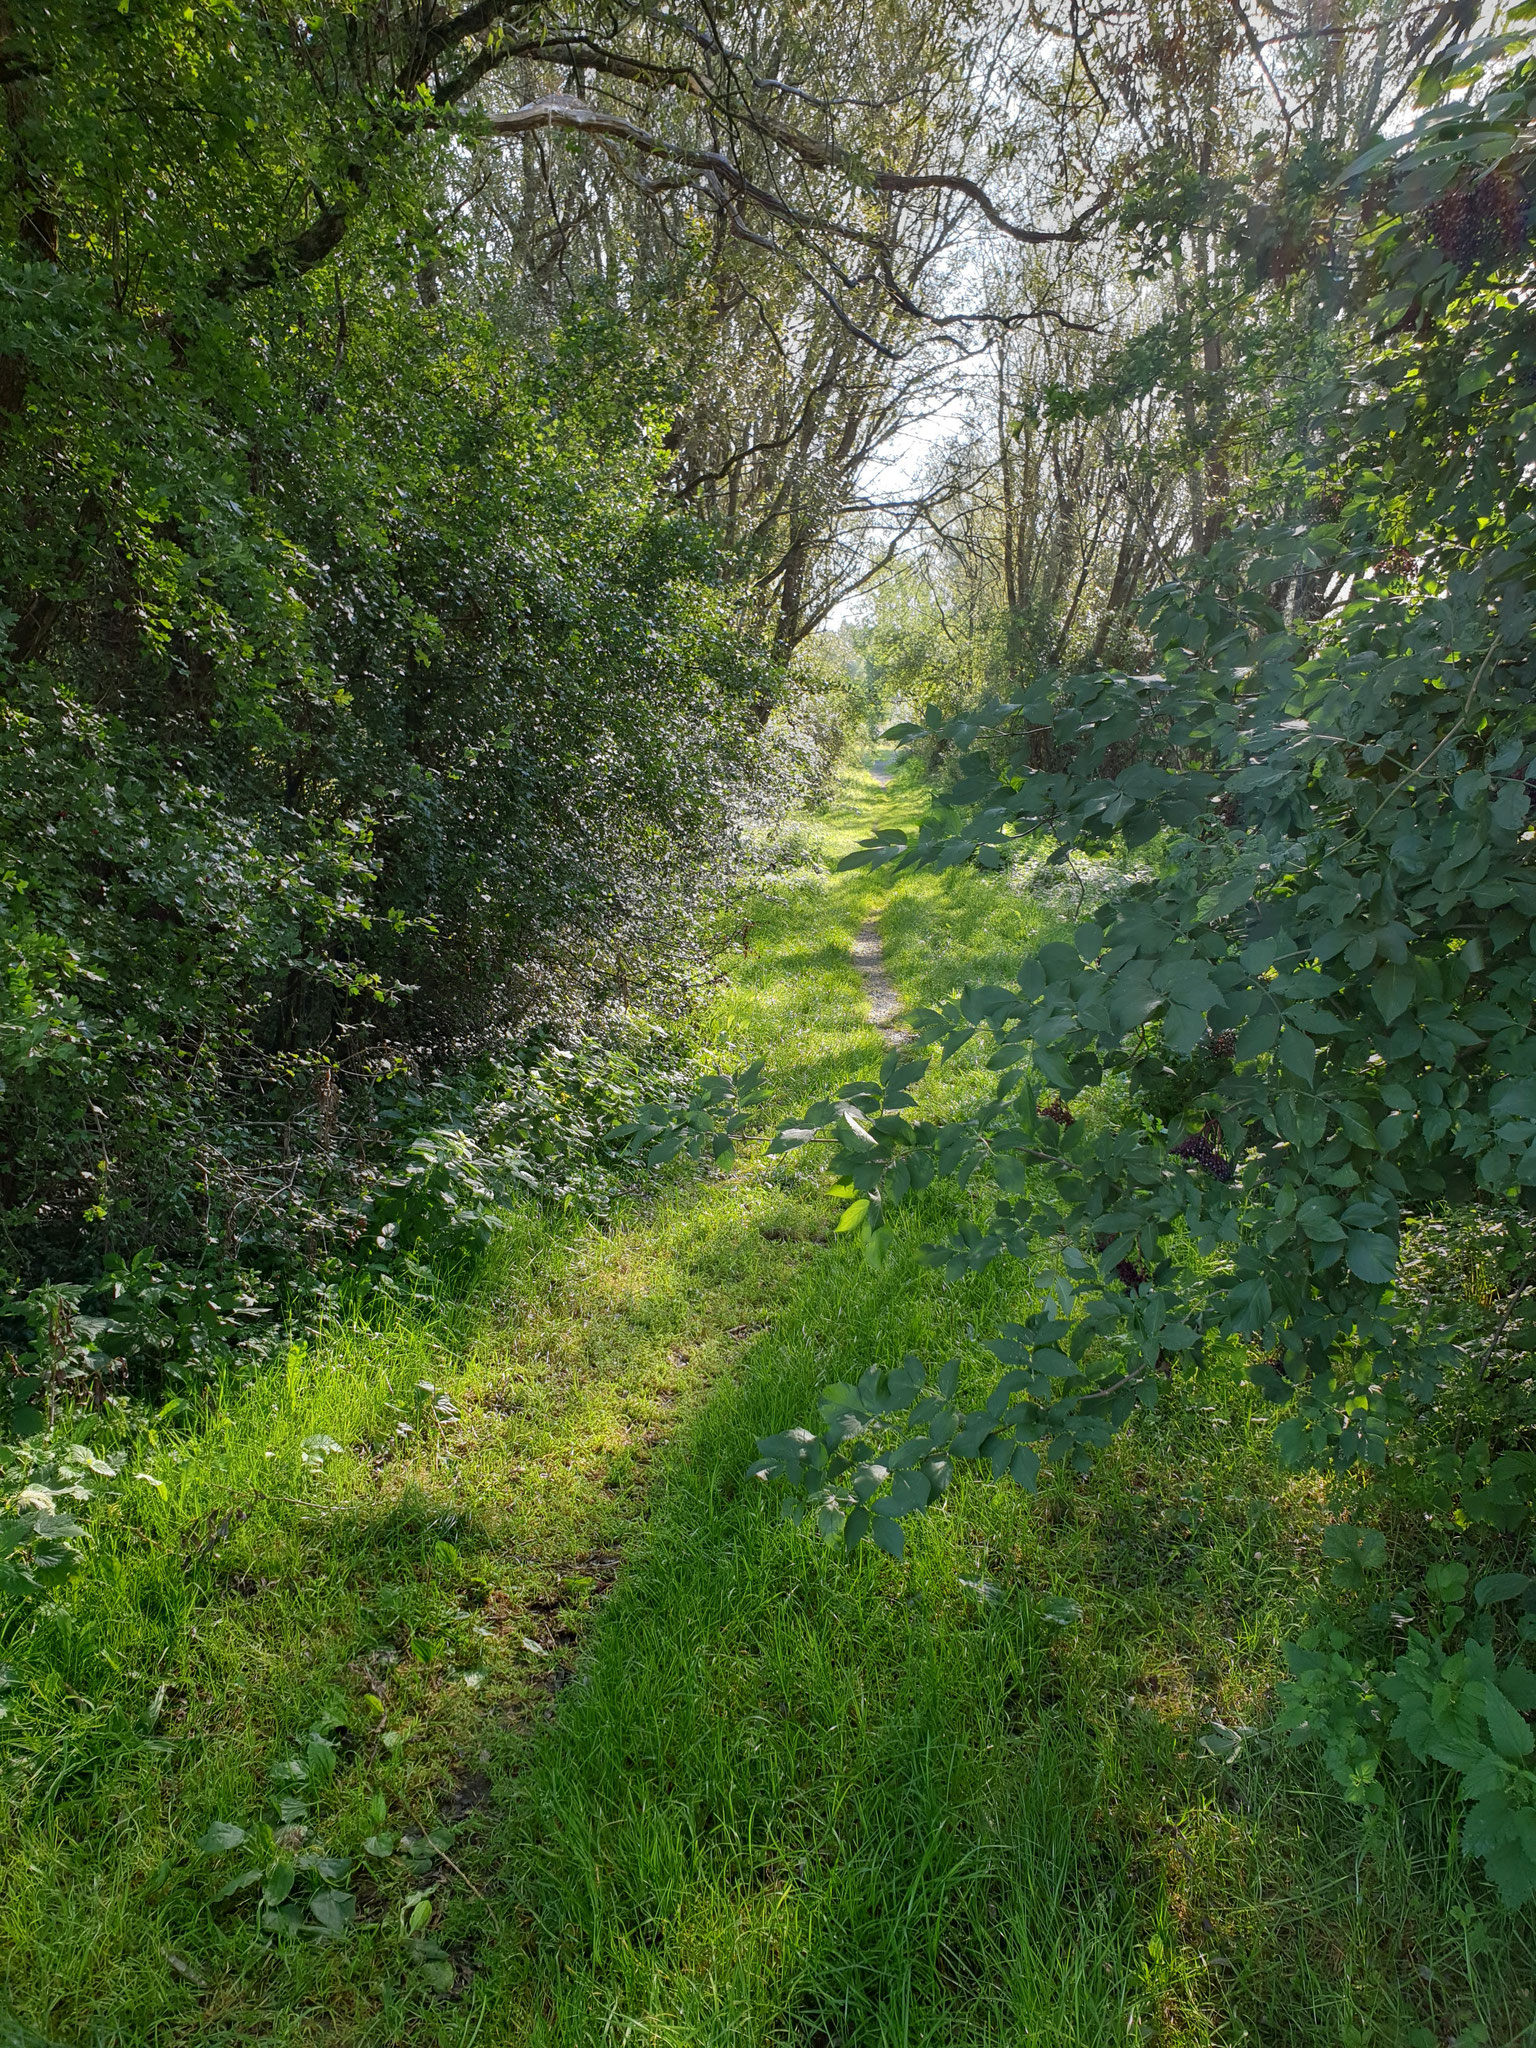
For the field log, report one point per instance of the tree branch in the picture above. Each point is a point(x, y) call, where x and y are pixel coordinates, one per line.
point(950, 181)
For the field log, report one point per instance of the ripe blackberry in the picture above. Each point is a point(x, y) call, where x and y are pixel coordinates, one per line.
point(1220, 1044)
point(1057, 1112)
point(1198, 1150)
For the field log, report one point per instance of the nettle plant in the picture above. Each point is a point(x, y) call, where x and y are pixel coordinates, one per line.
point(42, 1545)
point(1319, 1005)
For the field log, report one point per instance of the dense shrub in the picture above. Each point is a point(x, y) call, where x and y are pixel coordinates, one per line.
point(1319, 1006)
point(364, 703)
point(436, 1163)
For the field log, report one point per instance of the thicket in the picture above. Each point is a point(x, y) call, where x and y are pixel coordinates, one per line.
point(1260, 1095)
point(367, 704)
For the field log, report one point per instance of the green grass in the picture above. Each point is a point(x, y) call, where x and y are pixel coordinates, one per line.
point(711, 1784)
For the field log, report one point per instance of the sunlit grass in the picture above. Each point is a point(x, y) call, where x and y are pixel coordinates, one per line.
point(711, 1783)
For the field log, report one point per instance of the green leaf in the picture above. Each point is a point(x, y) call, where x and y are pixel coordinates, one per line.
point(1508, 1730)
point(880, 1248)
point(1318, 1217)
point(1257, 1036)
point(1221, 1742)
point(1248, 1306)
point(910, 1492)
point(1393, 990)
point(1513, 1099)
point(853, 1215)
point(1501, 1586)
point(1182, 1029)
point(1446, 1581)
point(1061, 1612)
point(984, 1592)
point(1354, 1552)
point(1510, 806)
point(335, 1910)
point(1378, 154)
point(1371, 1257)
point(1024, 1470)
point(886, 1535)
point(218, 1836)
point(1297, 1052)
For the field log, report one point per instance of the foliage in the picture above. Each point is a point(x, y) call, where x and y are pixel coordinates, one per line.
point(1180, 373)
point(830, 706)
point(1333, 965)
point(1016, 1719)
point(547, 1120)
point(716, 1113)
point(365, 704)
point(1455, 1701)
point(303, 1892)
point(41, 1548)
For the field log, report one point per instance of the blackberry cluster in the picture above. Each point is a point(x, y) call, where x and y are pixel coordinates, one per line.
point(1057, 1112)
point(1198, 1150)
point(1482, 223)
point(1130, 1272)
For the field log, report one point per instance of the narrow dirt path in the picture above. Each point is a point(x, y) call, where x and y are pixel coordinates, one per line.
point(884, 1002)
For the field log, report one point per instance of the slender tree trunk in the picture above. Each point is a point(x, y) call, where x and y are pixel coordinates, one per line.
point(787, 633)
point(1217, 475)
point(1190, 413)
point(1122, 583)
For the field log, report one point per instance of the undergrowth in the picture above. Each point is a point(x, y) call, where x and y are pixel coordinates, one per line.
point(651, 1765)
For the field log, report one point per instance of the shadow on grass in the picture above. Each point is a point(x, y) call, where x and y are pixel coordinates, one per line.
point(793, 1799)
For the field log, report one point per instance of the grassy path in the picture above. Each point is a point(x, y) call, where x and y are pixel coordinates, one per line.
point(704, 1783)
